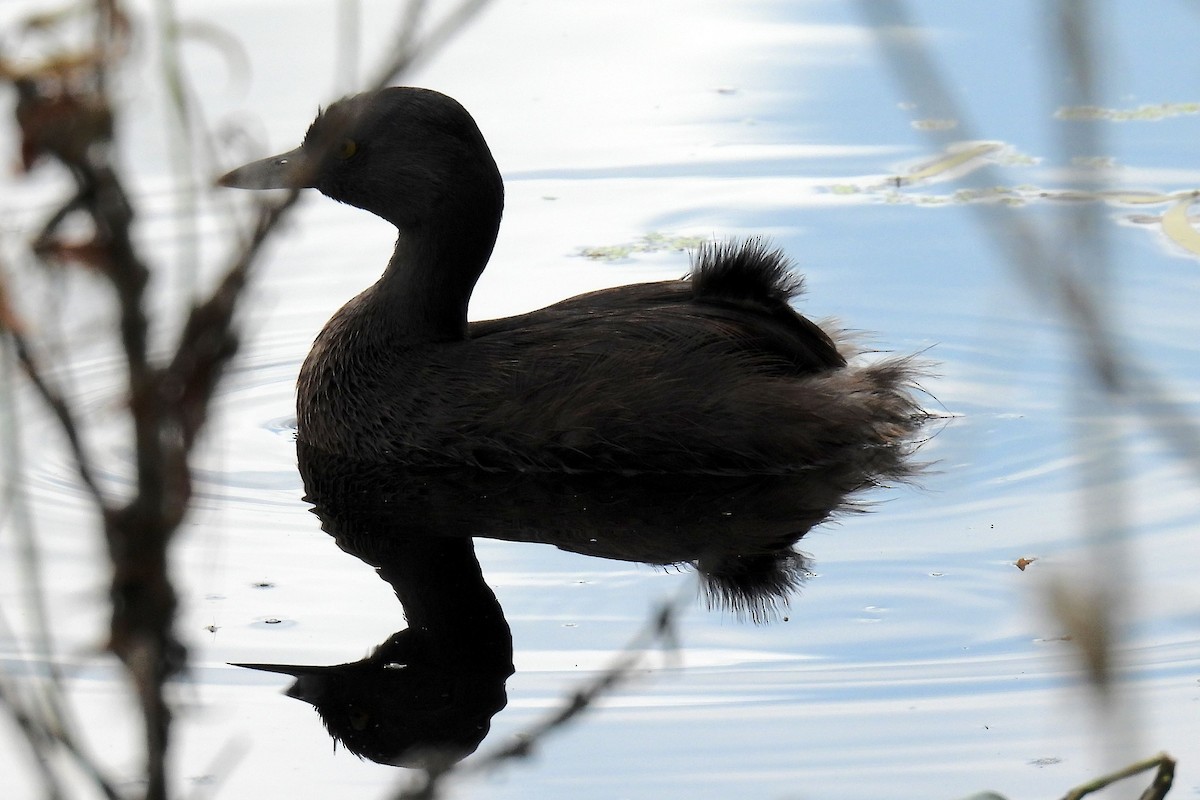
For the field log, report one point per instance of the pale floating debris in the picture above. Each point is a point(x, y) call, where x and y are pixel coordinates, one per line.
point(1083, 113)
point(934, 124)
point(1070, 195)
point(995, 193)
point(1143, 219)
point(1135, 198)
point(1025, 193)
point(1111, 196)
point(650, 243)
point(1011, 157)
point(1094, 162)
point(1146, 113)
point(998, 194)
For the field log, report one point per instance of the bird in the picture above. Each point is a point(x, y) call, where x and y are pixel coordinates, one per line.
point(712, 374)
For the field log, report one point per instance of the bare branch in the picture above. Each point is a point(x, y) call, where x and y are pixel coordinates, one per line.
point(1158, 788)
point(63, 413)
point(38, 734)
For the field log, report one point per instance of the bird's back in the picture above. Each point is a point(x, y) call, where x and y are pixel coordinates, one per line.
point(716, 374)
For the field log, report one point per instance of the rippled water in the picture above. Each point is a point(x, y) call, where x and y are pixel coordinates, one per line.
point(918, 661)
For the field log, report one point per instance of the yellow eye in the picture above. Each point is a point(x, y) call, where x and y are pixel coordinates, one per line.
point(346, 149)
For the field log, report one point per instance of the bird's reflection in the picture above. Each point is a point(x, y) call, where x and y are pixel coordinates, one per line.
point(428, 693)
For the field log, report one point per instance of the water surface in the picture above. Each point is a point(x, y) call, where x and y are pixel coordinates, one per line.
point(917, 661)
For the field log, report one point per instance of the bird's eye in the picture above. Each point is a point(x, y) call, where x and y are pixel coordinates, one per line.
point(346, 149)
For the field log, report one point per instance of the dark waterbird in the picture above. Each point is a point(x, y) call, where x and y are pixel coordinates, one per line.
point(714, 374)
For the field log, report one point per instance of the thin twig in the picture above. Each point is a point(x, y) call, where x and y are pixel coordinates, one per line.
point(63, 413)
point(168, 405)
point(37, 732)
point(1157, 790)
point(659, 628)
point(408, 54)
point(180, 126)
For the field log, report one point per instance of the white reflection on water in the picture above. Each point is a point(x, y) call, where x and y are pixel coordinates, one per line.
point(919, 662)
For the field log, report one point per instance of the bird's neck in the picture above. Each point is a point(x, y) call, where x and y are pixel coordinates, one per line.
point(428, 282)
point(441, 587)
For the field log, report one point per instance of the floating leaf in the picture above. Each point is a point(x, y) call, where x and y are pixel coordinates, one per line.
point(1178, 229)
point(953, 163)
